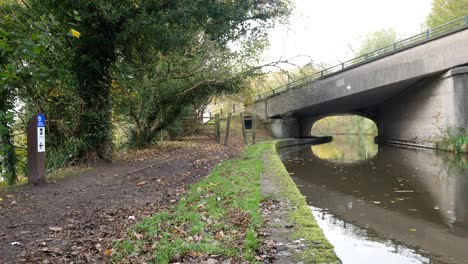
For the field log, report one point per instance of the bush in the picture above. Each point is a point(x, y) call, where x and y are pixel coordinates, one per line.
point(454, 139)
point(68, 155)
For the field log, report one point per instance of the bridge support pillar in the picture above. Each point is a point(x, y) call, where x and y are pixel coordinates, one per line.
point(421, 114)
point(284, 128)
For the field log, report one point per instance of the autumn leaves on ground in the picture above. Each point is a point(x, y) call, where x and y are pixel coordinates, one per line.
point(162, 204)
point(80, 218)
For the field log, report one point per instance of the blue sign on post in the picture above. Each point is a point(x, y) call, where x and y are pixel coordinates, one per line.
point(40, 120)
point(40, 132)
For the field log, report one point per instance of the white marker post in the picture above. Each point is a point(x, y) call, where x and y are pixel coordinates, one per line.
point(36, 149)
point(40, 133)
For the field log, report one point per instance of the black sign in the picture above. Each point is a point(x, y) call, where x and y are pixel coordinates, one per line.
point(248, 122)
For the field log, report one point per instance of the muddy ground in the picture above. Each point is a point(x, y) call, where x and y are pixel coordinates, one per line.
point(76, 219)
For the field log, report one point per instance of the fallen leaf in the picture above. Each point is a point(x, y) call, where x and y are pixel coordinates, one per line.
point(138, 236)
point(141, 183)
point(219, 235)
point(98, 247)
point(108, 252)
point(55, 228)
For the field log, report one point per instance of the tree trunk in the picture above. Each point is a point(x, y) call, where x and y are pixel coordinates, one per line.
point(92, 63)
point(7, 149)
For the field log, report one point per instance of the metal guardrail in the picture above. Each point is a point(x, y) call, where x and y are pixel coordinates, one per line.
point(421, 38)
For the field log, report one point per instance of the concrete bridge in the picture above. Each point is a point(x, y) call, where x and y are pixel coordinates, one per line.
point(412, 90)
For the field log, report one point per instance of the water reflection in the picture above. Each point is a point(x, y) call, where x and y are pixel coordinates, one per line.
point(367, 247)
point(416, 198)
point(347, 149)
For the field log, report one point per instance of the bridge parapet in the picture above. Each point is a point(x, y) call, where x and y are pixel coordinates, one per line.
point(419, 39)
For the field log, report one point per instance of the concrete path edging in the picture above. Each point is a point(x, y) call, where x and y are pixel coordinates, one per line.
point(291, 224)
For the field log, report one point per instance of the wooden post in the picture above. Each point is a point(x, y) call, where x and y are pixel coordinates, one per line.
point(228, 126)
point(244, 134)
point(233, 108)
point(254, 127)
point(36, 149)
point(217, 129)
point(221, 111)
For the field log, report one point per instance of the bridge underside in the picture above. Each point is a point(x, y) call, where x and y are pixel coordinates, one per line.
point(415, 111)
point(412, 95)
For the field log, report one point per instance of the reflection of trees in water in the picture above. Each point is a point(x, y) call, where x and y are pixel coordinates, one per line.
point(347, 148)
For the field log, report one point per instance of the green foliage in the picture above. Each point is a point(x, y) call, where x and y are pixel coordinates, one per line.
point(454, 139)
point(24, 42)
point(377, 40)
point(143, 63)
point(273, 80)
point(134, 41)
point(446, 10)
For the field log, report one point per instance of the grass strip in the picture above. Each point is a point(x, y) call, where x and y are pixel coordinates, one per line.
point(221, 216)
point(319, 249)
point(218, 216)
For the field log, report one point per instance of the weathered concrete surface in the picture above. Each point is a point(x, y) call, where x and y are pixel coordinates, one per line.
point(291, 226)
point(302, 141)
point(372, 83)
point(412, 95)
point(417, 115)
point(283, 128)
point(421, 113)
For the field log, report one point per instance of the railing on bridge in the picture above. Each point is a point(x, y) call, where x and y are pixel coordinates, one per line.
point(426, 36)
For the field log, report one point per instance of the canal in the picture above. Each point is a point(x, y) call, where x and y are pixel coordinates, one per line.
point(385, 204)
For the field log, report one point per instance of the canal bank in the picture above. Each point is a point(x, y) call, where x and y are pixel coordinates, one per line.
point(292, 226)
point(235, 215)
point(394, 204)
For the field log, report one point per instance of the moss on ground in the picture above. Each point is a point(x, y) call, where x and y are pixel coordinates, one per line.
point(319, 248)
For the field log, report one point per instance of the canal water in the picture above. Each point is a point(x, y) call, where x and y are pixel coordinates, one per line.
point(384, 204)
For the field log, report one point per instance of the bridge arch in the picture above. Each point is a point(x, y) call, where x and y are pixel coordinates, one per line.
point(339, 123)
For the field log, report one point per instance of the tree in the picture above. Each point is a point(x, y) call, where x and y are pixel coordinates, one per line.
point(128, 31)
point(446, 10)
point(377, 40)
point(155, 95)
point(22, 42)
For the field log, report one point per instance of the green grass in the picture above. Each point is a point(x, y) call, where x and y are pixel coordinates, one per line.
point(219, 215)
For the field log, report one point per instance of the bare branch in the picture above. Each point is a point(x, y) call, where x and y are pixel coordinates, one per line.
point(196, 86)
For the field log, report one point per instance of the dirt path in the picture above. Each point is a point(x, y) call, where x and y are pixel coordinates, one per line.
point(76, 220)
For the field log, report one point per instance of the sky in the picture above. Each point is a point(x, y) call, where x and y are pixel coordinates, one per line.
point(324, 30)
